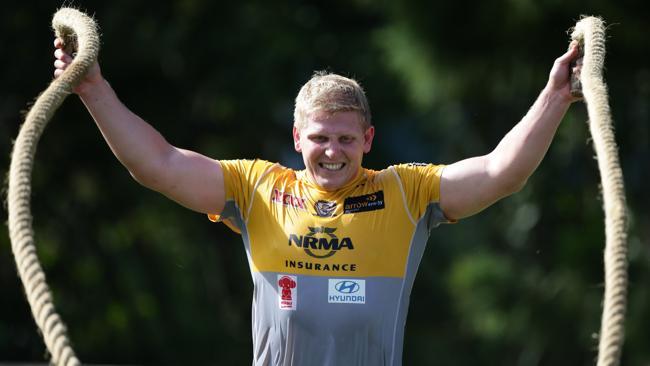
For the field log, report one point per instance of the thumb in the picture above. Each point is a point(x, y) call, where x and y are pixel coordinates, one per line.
point(571, 54)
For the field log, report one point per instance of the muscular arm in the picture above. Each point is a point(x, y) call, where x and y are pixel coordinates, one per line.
point(471, 185)
point(191, 179)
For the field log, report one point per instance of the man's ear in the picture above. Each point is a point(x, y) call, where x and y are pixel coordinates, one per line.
point(367, 139)
point(296, 139)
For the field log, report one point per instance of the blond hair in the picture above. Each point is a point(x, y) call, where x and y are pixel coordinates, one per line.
point(331, 93)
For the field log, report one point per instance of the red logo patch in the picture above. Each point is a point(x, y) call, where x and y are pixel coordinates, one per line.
point(288, 292)
point(287, 199)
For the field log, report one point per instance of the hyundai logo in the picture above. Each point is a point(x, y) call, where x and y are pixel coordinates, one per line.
point(347, 287)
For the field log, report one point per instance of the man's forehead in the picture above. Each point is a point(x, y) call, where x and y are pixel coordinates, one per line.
point(337, 121)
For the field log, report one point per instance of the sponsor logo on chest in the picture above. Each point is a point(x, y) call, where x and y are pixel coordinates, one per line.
point(367, 202)
point(287, 199)
point(346, 291)
point(321, 242)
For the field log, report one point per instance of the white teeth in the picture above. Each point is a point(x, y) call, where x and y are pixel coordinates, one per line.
point(332, 166)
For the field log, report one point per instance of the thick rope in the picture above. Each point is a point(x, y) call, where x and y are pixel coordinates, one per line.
point(67, 24)
point(590, 33)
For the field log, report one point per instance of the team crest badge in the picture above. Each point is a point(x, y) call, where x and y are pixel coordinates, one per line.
point(325, 208)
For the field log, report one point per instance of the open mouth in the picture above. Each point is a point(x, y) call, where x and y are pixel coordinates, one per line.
point(332, 166)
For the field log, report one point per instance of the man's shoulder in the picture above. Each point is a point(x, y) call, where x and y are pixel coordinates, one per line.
point(410, 174)
point(415, 167)
point(256, 164)
point(400, 168)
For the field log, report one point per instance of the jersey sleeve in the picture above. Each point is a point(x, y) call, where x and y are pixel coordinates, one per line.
point(240, 178)
point(421, 187)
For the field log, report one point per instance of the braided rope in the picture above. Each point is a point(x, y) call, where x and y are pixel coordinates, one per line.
point(67, 23)
point(590, 32)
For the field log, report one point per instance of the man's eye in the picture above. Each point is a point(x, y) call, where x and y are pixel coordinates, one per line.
point(319, 138)
point(346, 139)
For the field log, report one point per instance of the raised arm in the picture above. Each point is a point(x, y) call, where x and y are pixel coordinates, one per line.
point(471, 185)
point(191, 179)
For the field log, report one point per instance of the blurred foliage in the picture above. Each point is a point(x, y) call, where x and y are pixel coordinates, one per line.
point(141, 281)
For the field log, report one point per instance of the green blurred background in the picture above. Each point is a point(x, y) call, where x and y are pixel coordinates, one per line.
point(140, 280)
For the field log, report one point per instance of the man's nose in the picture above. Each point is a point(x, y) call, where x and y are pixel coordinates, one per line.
point(332, 150)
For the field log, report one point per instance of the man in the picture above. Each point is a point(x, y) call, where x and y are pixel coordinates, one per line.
point(333, 249)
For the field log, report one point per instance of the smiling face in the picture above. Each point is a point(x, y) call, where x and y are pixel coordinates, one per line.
point(332, 147)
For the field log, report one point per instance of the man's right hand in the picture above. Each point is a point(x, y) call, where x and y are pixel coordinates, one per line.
point(63, 60)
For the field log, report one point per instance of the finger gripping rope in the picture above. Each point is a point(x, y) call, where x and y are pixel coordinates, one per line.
point(75, 28)
point(590, 32)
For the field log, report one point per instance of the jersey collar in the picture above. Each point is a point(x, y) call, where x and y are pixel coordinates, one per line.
point(303, 177)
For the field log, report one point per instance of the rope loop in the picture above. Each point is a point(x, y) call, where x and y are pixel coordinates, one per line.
point(590, 34)
point(78, 31)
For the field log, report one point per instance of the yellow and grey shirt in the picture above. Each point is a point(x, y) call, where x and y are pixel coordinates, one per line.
point(332, 271)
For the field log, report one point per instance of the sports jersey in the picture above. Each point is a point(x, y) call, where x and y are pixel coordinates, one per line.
point(332, 271)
